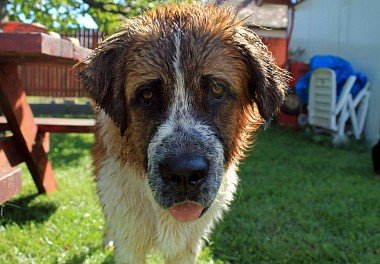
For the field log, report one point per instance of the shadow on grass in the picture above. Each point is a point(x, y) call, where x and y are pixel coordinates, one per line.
point(18, 211)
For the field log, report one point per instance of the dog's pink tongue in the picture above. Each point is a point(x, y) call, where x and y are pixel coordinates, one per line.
point(187, 211)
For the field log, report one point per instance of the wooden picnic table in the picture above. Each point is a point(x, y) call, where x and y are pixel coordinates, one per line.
point(27, 142)
point(10, 183)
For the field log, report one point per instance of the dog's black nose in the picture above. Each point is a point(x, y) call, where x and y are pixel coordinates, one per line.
point(184, 170)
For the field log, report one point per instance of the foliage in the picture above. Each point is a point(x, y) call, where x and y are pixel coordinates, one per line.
point(63, 15)
point(298, 202)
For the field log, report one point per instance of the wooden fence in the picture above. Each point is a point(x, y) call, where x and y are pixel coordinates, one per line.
point(52, 80)
point(88, 38)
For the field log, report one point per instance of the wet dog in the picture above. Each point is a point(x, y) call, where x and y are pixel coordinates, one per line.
point(179, 91)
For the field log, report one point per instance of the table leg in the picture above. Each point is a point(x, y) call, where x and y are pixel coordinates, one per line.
point(20, 118)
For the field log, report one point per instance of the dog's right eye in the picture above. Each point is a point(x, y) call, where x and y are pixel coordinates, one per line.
point(147, 96)
point(148, 92)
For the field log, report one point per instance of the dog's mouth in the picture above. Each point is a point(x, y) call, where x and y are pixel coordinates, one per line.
point(187, 211)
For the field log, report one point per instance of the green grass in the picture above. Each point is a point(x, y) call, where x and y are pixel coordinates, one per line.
point(299, 201)
point(48, 99)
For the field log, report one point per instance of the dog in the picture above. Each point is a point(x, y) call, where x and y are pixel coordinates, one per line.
point(179, 92)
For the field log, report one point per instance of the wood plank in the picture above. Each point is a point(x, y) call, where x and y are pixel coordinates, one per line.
point(43, 138)
point(18, 47)
point(9, 155)
point(58, 125)
point(10, 183)
point(65, 125)
point(21, 121)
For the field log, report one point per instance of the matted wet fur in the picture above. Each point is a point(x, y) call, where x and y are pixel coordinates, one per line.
point(179, 91)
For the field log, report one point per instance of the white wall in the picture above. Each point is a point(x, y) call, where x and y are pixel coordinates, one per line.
point(349, 29)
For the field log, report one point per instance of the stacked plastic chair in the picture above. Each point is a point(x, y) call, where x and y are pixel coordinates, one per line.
point(325, 111)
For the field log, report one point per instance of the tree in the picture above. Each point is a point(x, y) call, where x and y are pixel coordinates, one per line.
point(63, 15)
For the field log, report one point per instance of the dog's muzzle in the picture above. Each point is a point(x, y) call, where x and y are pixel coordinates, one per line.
point(185, 169)
point(185, 173)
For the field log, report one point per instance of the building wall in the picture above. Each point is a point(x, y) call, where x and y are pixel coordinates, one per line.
point(349, 29)
point(278, 48)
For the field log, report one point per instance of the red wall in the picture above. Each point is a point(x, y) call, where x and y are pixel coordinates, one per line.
point(278, 47)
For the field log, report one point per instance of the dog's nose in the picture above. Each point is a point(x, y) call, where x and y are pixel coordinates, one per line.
point(184, 170)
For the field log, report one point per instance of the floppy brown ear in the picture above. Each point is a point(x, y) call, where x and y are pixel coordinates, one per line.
point(102, 74)
point(267, 82)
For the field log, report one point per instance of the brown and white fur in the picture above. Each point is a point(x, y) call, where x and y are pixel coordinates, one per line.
point(183, 84)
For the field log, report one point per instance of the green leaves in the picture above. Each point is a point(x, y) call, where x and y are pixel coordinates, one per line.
point(66, 15)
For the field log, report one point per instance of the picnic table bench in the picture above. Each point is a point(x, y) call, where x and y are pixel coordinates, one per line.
point(58, 125)
point(29, 141)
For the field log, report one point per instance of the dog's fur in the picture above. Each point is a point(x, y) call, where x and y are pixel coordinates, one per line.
point(179, 54)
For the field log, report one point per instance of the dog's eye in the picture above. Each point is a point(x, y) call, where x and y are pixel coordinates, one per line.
point(147, 96)
point(217, 91)
point(148, 93)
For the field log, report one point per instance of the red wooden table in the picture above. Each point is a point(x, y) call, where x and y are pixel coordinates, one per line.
point(27, 143)
point(10, 183)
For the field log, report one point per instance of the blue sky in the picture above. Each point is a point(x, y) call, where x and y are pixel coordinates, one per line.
point(87, 21)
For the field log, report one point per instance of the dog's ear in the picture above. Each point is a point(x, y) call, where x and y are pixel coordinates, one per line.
point(267, 82)
point(103, 76)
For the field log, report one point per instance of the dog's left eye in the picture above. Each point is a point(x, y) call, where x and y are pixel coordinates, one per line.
point(217, 91)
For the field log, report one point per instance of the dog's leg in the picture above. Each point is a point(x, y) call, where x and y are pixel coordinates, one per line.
point(125, 256)
point(189, 256)
point(131, 248)
point(133, 238)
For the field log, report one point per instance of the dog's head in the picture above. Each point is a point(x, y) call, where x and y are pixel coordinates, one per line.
point(186, 86)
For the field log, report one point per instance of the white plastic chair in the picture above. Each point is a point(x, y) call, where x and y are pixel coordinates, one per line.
point(326, 112)
point(358, 108)
point(322, 99)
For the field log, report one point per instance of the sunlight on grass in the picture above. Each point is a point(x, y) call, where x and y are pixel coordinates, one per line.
point(298, 201)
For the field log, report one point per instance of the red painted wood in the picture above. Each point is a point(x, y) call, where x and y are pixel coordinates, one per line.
point(39, 47)
point(65, 125)
point(44, 139)
point(15, 26)
point(21, 121)
point(57, 125)
point(9, 155)
point(278, 47)
point(70, 87)
point(10, 183)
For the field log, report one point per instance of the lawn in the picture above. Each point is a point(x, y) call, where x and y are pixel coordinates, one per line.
point(300, 201)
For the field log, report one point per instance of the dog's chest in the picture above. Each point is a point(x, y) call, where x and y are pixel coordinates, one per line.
point(122, 189)
point(130, 212)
